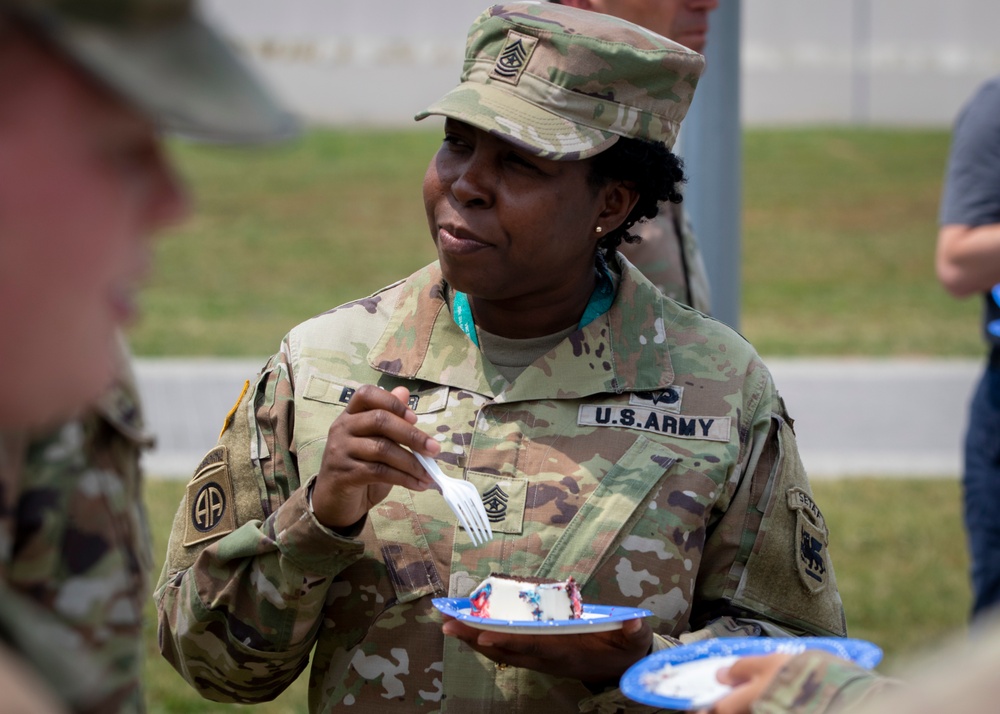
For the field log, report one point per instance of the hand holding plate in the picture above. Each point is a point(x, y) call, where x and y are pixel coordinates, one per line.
point(591, 657)
point(749, 677)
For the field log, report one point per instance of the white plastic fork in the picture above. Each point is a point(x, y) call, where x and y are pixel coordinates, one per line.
point(463, 498)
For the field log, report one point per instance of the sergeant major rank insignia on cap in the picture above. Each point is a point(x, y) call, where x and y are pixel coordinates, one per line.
point(209, 503)
point(514, 57)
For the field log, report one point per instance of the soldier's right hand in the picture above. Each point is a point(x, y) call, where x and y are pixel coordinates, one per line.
point(364, 456)
point(749, 677)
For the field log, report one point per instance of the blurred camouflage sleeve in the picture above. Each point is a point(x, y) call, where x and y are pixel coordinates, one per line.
point(76, 553)
point(248, 565)
point(818, 682)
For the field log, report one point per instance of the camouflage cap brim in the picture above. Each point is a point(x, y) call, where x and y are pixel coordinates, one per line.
point(182, 74)
point(565, 83)
point(500, 112)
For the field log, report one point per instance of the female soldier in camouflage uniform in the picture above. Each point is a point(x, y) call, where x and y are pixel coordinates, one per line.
point(619, 437)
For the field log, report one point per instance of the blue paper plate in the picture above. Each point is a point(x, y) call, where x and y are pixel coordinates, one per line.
point(685, 675)
point(596, 618)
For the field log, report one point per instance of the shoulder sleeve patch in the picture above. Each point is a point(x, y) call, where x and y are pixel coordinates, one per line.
point(210, 510)
point(811, 532)
point(789, 575)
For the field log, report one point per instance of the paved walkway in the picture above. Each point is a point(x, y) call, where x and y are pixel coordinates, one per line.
point(853, 417)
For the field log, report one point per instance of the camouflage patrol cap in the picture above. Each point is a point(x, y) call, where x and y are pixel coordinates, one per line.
point(162, 58)
point(565, 83)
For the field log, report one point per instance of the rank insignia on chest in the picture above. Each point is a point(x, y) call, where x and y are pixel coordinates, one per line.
point(811, 540)
point(495, 503)
point(209, 500)
point(503, 497)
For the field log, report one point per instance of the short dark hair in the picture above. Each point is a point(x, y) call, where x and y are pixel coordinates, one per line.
point(655, 171)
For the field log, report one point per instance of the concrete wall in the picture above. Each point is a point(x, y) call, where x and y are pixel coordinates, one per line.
point(368, 62)
point(886, 62)
point(894, 62)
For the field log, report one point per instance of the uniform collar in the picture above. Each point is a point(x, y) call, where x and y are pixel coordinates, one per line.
point(598, 304)
point(626, 349)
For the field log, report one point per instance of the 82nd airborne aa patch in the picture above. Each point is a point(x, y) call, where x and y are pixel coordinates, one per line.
point(811, 541)
point(210, 511)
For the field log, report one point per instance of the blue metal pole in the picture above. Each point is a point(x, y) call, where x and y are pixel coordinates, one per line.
point(711, 145)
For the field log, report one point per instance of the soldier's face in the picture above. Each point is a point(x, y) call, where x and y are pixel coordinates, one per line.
point(510, 228)
point(83, 185)
point(683, 21)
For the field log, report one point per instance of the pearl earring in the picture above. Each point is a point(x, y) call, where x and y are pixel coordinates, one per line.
point(598, 229)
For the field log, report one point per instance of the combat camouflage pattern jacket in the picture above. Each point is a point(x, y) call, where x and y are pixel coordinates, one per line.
point(648, 455)
point(75, 555)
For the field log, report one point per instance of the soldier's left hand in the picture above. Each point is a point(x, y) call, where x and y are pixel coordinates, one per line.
point(593, 658)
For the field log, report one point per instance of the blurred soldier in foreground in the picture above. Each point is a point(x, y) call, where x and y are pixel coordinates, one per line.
point(86, 88)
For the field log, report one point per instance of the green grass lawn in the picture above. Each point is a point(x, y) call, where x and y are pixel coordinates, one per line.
point(837, 250)
point(897, 547)
point(838, 246)
point(281, 234)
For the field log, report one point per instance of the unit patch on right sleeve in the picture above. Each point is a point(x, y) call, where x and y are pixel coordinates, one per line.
point(209, 504)
point(812, 535)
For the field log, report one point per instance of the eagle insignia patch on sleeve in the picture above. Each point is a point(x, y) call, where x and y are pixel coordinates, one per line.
point(812, 536)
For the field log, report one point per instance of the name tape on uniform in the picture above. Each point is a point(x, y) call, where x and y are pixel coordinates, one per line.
point(684, 427)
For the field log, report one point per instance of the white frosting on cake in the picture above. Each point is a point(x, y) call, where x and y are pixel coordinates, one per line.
point(504, 598)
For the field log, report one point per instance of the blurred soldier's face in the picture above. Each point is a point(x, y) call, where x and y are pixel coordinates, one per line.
point(683, 21)
point(83, 186)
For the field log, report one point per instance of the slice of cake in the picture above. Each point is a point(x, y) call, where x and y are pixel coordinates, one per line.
point(505, 597)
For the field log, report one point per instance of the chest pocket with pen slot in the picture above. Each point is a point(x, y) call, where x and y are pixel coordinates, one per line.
point(399, 535)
